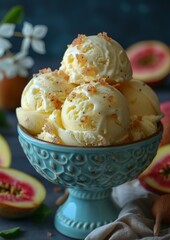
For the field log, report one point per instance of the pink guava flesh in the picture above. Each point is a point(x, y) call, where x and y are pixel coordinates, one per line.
point(161, 171)
point(24, 191)
point(151, 57)
point(165, 108)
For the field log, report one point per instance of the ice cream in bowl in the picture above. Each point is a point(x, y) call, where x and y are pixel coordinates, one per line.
point(89, 126)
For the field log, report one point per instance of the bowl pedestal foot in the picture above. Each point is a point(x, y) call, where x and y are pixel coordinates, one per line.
point(84, 211)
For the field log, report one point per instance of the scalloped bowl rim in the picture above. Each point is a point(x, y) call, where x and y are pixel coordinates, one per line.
point(46, 144)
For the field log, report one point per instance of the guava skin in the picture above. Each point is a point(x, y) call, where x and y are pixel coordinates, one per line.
point(5, 153)
point(11, 212)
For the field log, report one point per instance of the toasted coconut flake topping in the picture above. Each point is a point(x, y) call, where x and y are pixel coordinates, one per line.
point(48, 127)
point(81, 58)
point(56, 73)
point(71, 96)
point(136, 123)
point(89, 71)
point(84, 119)
point(111, 99)
point(117, 86)
point(49, 234)
point(103, 81)
point(45, 70)
point(115, 116)
point(79, 40)
point(54, 99)
point(91, 88)
point(42, 71)
point(63, 75)
point(105, 36)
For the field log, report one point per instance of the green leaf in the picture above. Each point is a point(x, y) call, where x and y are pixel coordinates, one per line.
point(14, 15)
point(41, 213)
point(3, 120)
point(10, 233)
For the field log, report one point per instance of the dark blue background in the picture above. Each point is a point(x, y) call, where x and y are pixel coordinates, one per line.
point(127, 21)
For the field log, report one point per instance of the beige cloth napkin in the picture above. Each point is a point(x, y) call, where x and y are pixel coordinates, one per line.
point(135, 220)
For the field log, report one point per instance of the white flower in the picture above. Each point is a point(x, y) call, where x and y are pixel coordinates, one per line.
point(15, 65)
point(32, 36)
point(6, 31)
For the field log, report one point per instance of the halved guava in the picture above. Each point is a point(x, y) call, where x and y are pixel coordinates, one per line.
point(5, 153)
point(165, 109)
point(20, 193)
point(156, 177)
point(150, 60)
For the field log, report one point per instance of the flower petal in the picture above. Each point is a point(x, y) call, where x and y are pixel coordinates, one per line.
point(4, 45)
point(27, 29)
point(20, 56)
point(38, 46)
point(4, 64)
point(7, 29)
point(25, 44)
point(40, 31)
point(27, 62)
point(22, 72)
point(11, 71)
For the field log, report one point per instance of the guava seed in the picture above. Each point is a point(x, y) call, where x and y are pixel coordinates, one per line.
point(10, 189)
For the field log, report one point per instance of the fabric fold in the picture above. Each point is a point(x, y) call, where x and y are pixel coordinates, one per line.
point(135, 220)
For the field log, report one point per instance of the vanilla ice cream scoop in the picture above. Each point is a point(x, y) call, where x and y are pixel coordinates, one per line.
point(93, 114)
point(144, 108)
point(94, 57)
point(44, 93)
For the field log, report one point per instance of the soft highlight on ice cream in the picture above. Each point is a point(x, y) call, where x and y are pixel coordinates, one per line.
point(94, 114)
point(44, 93)
point(144, 108)
point(89, 58)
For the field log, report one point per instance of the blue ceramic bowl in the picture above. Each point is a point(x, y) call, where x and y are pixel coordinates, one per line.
point(89, 173)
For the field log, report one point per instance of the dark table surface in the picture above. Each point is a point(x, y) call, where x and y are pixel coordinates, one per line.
point(30, 229)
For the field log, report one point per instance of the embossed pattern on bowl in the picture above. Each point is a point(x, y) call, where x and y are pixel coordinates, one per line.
point(89, 168)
